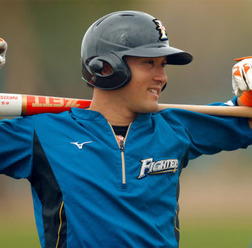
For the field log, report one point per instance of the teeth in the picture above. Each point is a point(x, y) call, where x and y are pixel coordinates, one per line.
point(153, 91)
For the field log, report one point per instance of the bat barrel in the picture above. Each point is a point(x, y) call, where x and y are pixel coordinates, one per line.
point(18, 104)
point(10, 104)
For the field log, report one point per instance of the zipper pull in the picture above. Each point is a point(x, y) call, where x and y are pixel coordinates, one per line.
point(122, 145)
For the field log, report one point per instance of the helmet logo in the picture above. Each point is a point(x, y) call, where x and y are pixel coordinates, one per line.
point(161, 29)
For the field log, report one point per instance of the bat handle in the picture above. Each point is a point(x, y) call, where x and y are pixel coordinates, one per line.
point(236, 111)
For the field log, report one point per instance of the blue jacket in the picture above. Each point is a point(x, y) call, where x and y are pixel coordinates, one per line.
point(90, 192)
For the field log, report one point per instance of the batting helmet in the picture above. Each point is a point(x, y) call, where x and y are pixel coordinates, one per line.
point(120, 34)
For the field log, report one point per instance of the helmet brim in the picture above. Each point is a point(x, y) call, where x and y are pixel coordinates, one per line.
point(173, 55)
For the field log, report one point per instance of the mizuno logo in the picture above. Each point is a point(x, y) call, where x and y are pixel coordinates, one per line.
point(80, 145)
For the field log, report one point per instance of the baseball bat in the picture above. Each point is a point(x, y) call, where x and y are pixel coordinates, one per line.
point(235, 111)
point(21, 105)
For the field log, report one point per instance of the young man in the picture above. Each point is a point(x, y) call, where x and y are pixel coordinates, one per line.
point(108, 176)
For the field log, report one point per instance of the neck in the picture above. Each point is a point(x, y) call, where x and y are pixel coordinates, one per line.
point(111, 108)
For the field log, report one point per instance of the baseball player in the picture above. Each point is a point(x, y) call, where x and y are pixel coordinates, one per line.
point(108, 175)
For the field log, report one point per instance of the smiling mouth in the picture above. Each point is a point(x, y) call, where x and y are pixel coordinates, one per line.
point(153, 91)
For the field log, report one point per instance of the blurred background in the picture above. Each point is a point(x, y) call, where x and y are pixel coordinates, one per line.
point(44, 38)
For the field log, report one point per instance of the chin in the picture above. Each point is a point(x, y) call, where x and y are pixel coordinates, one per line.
point(150, 108)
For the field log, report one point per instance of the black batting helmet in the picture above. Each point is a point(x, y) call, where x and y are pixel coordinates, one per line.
point(120, 34)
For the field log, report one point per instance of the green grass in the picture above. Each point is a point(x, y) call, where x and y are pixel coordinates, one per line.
point(18, 234)
point(213, 232)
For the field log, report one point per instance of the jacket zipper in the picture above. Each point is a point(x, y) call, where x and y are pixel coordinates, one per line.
point(121, 145)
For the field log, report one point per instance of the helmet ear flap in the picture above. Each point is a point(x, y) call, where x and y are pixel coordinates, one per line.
point(118, 78)
point(95, 65)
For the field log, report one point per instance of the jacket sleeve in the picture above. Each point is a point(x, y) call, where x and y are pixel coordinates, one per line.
point(209, 134)
point(16, 147)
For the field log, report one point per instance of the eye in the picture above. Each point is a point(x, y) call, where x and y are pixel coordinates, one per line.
point(163, 64)
point(150, 61)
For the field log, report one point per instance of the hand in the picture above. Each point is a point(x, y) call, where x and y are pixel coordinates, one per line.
point(3, 50)
point(242, 75)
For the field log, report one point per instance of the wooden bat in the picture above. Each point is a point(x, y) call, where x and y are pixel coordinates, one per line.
point(21, 105)
point(235, 111)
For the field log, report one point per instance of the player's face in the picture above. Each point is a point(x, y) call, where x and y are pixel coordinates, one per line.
point(148, 78)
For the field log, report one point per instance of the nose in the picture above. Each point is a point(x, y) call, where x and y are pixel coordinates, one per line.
point(160, 76)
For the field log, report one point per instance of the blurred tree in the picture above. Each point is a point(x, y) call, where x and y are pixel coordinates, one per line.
point(58, 30)
point(21, 68)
